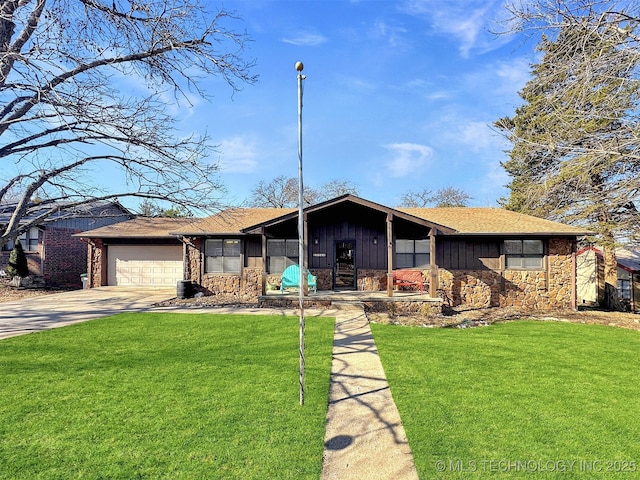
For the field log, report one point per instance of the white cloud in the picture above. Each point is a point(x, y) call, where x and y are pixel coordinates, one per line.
point(306, 39)
point(238, 155)
point(392, 34)
point(467, 21)
point(478, 135)
point(440, 95)
point(407, 158)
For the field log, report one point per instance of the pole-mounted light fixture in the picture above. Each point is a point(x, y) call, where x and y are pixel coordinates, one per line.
point(303, 271)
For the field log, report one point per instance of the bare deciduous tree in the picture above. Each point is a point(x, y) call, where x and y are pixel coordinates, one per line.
point(576, 140)
point(336, 188)
point(283, 192)
point(444, 197)
point(85, 88)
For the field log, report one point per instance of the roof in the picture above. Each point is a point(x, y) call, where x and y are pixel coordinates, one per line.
point(233, 220)
point(94, 209)
point(487, 221)
point(626, 258)
point(142, 227)
point(339, 201)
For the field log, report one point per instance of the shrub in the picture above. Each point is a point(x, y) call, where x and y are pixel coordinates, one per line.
point(17, 262)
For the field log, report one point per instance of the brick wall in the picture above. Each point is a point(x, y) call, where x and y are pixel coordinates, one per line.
point(64, 258)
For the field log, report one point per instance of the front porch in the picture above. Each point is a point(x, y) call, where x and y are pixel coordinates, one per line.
point(402, 302)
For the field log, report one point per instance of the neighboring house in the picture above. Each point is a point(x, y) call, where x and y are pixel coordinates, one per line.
point(590, 268)
point(478, 257)
point(52, 250)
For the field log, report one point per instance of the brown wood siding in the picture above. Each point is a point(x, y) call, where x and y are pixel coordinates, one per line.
point(468, 254)
point(253, 252)
point(357, 224)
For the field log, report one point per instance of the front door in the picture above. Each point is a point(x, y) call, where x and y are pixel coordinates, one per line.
point(345, 265)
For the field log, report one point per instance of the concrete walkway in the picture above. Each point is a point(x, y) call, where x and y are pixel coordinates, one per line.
point(364, 437)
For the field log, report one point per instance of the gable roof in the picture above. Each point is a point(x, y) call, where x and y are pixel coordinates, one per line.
point(488, 221)
point(233, 221)
point(352, 199)
point(141, 227)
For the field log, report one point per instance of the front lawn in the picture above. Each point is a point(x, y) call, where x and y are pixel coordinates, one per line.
point(160, 395)
point(517, 400)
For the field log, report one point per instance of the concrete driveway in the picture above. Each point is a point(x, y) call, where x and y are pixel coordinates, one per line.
point(56, 310)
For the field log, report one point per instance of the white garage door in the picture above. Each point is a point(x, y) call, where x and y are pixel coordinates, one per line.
point(144, 265)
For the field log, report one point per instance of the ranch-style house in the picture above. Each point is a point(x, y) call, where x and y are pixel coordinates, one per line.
point(479, 257)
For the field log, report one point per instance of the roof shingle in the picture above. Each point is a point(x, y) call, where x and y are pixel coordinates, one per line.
point(470, 220)
point(142, 227)
point(233, 220)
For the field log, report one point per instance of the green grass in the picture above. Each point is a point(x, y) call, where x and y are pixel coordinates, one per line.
point(165, 396)
point(517, 400)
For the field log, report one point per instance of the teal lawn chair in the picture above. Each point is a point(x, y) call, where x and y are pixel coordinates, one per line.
point(291, 279)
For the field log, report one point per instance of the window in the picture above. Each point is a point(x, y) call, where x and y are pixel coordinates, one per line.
point(412, 254)
point(222, 255)
point(28, 240)
point(523, 254)
point(624, 289)
point(281, 253)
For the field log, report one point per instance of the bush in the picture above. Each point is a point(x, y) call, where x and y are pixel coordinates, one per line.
point(17, 262)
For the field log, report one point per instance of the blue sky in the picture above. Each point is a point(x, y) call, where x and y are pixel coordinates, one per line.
point(399, 96)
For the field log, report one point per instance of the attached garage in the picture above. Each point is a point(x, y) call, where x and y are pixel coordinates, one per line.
point(143, 252)
point(144, 265)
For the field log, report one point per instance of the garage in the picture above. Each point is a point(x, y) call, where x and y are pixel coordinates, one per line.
point(144, 265)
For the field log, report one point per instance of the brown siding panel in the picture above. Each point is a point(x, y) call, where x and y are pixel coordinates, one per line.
point(456, 254)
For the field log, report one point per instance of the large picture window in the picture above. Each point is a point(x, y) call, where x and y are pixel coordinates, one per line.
point(222, 255)
point(524, 254)
point(412, 254)
point(281, 253)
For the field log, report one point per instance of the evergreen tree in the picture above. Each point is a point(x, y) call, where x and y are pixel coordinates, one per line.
point(17, 266)
point(575, 154)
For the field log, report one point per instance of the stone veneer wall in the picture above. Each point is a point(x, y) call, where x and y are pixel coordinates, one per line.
point(372, 280)
point(246, 286)
point(324, 278)
point(561, 272)
point(95, 264)
point(193, 263)
point(535, 289)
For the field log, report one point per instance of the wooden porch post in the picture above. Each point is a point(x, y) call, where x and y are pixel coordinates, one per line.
point(390, 254)
point(263, 277)
point(433, 266)
point(574, 273)
point(305, 260)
